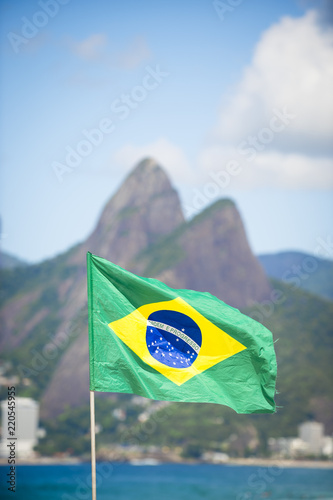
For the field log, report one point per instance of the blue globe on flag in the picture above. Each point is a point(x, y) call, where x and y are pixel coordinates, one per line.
point(173, 338)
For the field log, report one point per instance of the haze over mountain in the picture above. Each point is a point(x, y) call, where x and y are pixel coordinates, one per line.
point(142, 228)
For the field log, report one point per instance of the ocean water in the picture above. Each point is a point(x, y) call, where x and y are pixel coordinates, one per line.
point(168, 482)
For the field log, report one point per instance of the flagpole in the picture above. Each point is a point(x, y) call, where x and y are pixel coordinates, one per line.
point(93, 445)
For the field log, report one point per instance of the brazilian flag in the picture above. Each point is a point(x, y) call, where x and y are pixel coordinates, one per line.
point(175, 345)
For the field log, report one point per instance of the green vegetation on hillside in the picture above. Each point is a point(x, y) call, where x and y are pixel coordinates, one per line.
point(303, 327)
point(37, 356)
point(17, 281)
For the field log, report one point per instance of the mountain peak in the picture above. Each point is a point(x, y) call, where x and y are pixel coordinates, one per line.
point(145, 207)
point(146, 166)
point(146, 179)
point(210, 253)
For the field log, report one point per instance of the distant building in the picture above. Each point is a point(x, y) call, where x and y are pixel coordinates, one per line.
point(328, 446)
point(310, 442)
point(26, 427)
point(287, 447)
point(312, 433)
point(215, 457)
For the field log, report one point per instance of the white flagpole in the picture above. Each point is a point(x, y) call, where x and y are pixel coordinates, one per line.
point(93, 446)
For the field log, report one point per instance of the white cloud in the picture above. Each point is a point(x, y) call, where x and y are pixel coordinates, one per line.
point(291, 74)
point(168, 155)
point(270, 169)
point(295, 171)
point(292, 68)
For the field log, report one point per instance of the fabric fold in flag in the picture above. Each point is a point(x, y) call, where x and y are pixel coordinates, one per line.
point(175, 345)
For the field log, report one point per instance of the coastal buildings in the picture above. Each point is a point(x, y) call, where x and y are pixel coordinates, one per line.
point(311, 442)
point(22, 429)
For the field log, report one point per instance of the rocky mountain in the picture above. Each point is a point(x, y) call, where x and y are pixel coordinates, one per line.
point(209, 253)
point(142, 228)
point(145, 208)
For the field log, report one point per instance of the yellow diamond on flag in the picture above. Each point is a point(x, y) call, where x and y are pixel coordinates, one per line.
point(175, 339)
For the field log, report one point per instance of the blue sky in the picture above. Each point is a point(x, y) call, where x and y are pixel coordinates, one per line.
point(226, 77)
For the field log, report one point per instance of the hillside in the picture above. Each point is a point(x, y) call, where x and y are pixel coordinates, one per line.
point(301, 270)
